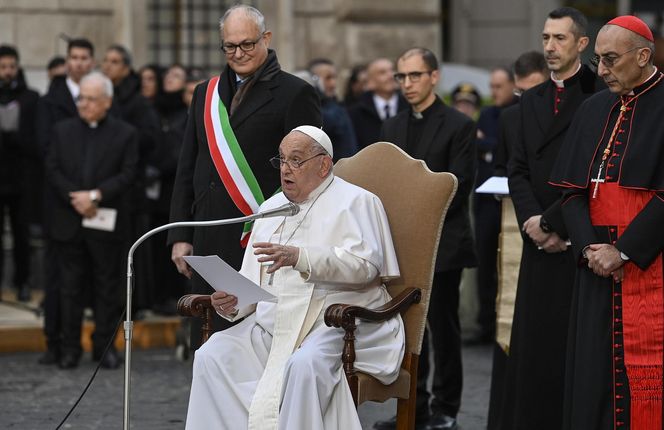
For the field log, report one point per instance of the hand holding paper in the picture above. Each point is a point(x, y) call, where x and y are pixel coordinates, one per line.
point(224, 303)
point(224, 278)
point(104, 219)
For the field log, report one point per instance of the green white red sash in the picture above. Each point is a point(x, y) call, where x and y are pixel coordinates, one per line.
point(228, 159)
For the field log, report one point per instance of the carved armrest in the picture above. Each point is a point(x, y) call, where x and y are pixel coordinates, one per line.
point(340, 315)
point(199, 306)
point(343, 316)
point(194, 305)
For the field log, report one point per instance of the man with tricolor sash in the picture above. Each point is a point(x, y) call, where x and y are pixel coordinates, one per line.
point(236, 122)
point(612, 170)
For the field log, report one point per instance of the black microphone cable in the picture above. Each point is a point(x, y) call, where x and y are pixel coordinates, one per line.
point(94, 374)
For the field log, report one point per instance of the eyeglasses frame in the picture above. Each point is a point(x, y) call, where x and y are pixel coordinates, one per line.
point(232, 49)
point(295, 165)
point(413, 76)
point(596, 59)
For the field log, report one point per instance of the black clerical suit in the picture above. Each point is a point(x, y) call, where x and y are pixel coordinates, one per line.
point(367, 122)
point(160, 178)
point(57, 105)
point(82, 157)
point(538, 341)
point(130, 106)
point(276, 103)
point(614, 360)
point(444, 139)
point(486, 210)
point(508, 134)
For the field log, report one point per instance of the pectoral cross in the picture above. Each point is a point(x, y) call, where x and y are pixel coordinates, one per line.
point(597, 181)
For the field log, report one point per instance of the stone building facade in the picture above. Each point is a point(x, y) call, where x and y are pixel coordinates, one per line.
point(482, 33)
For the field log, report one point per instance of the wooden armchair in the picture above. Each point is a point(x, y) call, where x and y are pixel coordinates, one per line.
point(416, 201)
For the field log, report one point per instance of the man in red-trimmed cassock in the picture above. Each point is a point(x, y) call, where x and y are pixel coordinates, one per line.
point(612, 165)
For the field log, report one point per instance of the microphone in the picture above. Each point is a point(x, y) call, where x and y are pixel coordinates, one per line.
point(287, 209)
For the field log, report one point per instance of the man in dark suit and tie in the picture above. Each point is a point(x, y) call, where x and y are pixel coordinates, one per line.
point(374, 107)
point(261, 104)
point(90, 167)
point(444, 139)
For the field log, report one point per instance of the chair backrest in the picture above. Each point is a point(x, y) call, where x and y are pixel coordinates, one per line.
point(416, 201)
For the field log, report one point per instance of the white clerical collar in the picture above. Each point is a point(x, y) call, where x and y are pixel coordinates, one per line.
point(380, 104)
point(560, 83)
point(318, 190)
point(73, 87)
point(93, 124)
point(631, 93)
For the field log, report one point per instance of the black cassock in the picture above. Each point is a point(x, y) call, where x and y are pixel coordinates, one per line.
point(614, 362)
point(535, 368)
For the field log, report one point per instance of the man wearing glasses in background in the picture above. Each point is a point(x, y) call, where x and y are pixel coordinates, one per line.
point(444, 139)
point(223, 170)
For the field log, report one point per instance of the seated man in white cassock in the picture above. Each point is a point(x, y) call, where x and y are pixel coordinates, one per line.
point(281, 367)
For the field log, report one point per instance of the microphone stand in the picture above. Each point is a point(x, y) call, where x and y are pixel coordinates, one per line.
point(288, 209)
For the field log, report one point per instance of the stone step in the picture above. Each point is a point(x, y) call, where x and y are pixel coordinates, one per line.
point(149, 333)
point(21, 328)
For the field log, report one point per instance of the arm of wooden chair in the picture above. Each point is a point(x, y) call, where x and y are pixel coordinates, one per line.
point(199, 306)
point(338, 313)
point(343, 316)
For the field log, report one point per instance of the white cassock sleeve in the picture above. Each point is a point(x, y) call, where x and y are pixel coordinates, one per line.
point(334, 265)
point(363, 248)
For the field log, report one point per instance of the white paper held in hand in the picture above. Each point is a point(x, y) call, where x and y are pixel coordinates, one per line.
point(494, 185)
point(104, 220)
point(223, 277)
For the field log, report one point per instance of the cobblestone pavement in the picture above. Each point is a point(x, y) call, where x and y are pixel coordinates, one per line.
point(35, 397)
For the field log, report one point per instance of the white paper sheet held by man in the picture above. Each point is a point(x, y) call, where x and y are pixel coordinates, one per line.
point(223, 277)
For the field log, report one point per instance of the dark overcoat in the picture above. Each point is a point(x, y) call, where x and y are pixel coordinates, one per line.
point(536, 366)
point(270, 110)
point(447, 145)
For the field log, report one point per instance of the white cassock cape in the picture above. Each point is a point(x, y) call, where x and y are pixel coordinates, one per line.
point(242, 379)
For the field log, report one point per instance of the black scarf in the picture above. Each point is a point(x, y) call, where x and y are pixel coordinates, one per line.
point(266, 72)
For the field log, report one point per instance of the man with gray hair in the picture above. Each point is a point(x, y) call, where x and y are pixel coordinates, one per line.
point(281, 367)
point(235, 124)
point(91, 165)
point(611, 168)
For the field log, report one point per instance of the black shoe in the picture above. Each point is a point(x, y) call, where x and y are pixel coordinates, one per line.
point(442, 422)
point(49, 357)
point(111, 360)
point(23, 293)
point(68, 361)
point(391, 424)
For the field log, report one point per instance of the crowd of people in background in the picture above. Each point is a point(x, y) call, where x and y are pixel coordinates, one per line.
point(55, 168)
point(155, 100)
